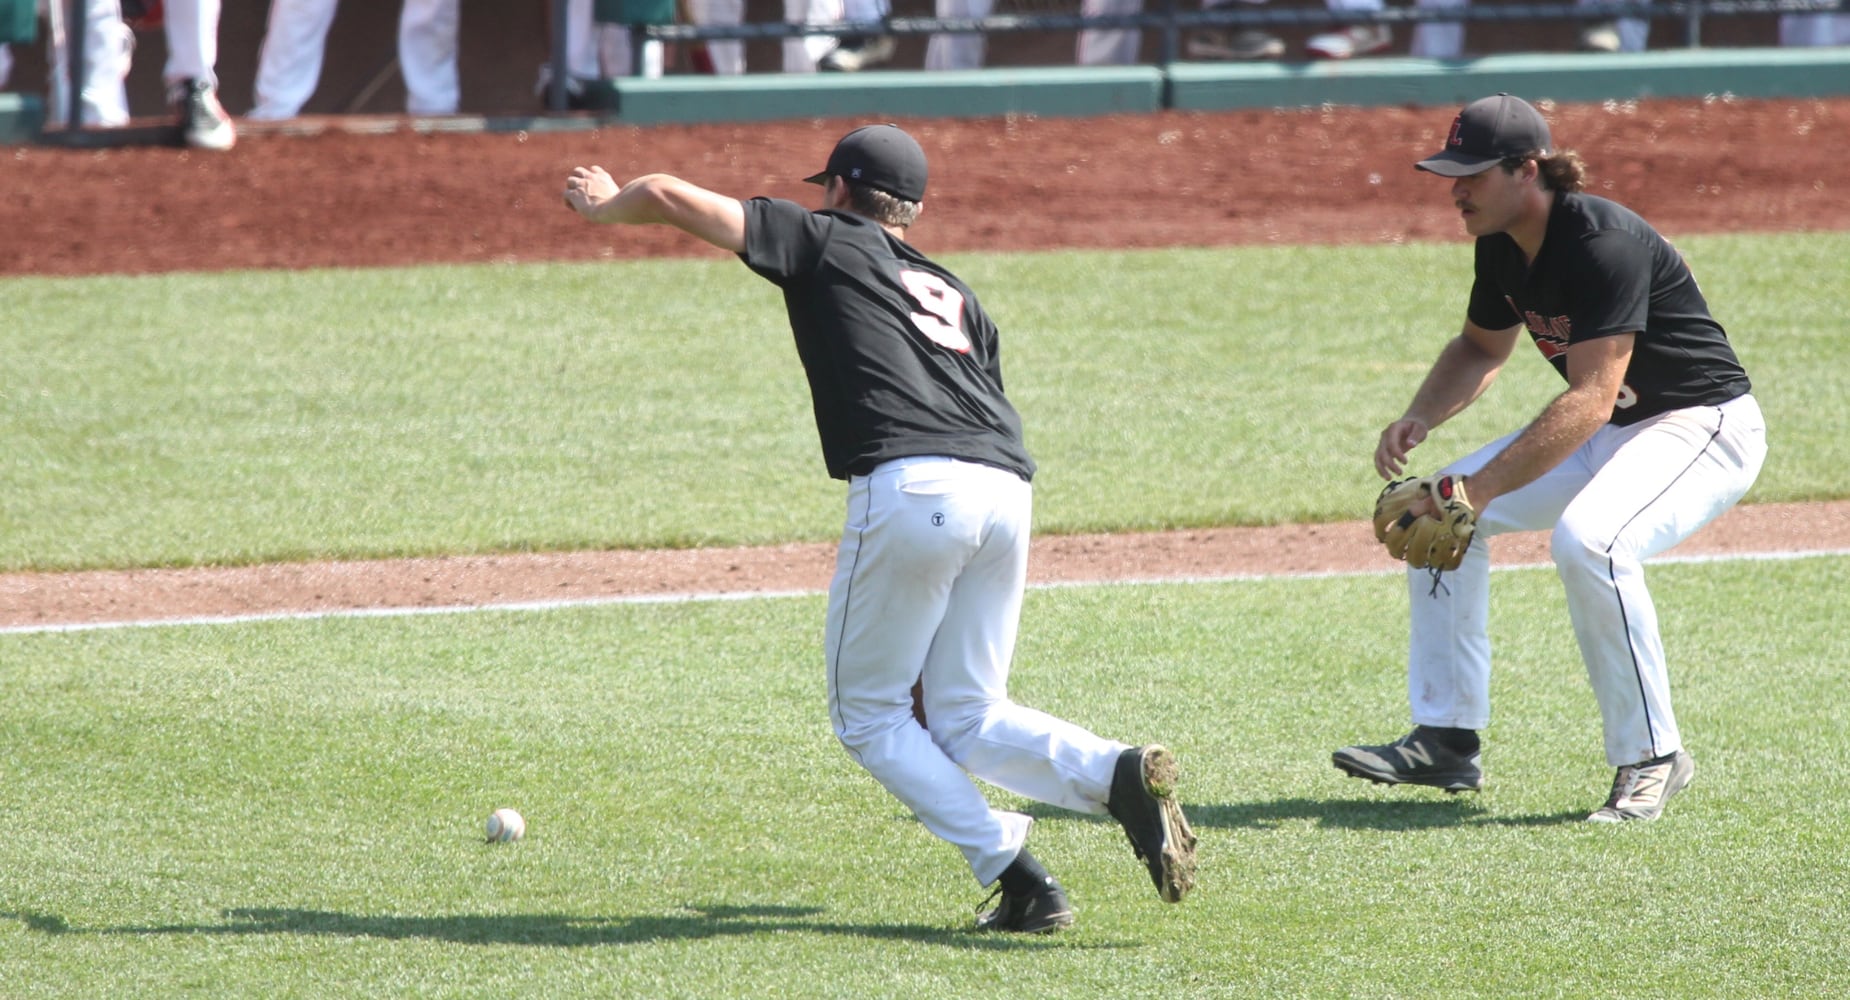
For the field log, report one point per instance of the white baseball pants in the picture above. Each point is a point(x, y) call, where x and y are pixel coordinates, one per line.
point(802, 52)
point(728, 55)
point(1627, 494)
point(192, 41)
point(109, 46)
point(1802, 30)
point(295, 41)
point(928, 588)
point(958, 51)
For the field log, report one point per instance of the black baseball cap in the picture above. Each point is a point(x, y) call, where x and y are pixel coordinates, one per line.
point(879, 156)
point(1487, 132)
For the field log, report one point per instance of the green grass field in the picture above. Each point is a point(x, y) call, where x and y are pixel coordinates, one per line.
point(293, 808)
point(254, 417)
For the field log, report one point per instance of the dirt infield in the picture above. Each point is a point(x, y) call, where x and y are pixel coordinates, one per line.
point(1337, 175)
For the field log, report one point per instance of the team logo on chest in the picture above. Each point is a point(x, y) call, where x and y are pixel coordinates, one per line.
point(1551, 333)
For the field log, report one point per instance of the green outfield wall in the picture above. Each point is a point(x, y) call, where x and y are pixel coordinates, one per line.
point(1570, 77)
point(1084, 91)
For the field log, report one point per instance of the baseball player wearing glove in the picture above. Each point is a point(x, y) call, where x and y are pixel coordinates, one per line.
point(907, 386)
point(1655, 435)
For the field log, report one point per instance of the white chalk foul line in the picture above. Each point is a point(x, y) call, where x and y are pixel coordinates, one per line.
point(510, 607)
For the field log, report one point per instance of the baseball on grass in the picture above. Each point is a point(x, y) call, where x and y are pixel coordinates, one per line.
point(505, 825)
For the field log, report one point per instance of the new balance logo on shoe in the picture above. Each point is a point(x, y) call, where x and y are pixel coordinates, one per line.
point(1639, 791)
point(1414, 759)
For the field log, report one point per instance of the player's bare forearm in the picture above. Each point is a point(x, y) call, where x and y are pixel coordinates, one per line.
point(1566, 423)
point(657, 199)
point(1595, 375)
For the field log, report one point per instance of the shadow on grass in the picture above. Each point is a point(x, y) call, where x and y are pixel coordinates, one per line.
point(557, 930)
point(1369, 814)
point(1340, 814)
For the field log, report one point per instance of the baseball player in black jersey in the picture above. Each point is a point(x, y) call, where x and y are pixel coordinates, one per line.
point(1655, 435)
point(923, 609)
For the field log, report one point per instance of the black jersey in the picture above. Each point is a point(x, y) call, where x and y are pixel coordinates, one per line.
point(1602, 271)
point(901, 359)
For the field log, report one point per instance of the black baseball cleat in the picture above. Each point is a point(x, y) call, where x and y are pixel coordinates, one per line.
point(203, 121)
point(1143, 800)
point(1417, 758)
point(1040, 911)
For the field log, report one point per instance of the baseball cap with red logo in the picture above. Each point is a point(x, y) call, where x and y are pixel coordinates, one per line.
point(879, 156)
point(1487, 132)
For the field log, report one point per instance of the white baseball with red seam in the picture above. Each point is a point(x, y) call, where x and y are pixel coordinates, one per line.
point(505, 825)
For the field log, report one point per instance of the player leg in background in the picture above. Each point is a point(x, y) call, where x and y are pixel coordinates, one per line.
point(859, 52)
point(427, 34)
point(1627, 34)
point(803, 52)
point(109, 45)
point(958, 51)
point(727, 56)
point(191, 75)
point(616, 50)
point(1803, 30)
point(1438, 39)
point(1364, 38)
point(289, 62)
point(1112, 46)
point(1657, 483)
point(584, 62)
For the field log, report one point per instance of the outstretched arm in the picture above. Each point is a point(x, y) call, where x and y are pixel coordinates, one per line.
point(658, 198)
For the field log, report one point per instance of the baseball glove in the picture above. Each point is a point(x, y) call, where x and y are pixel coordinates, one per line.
point(1439, 542)
point(1391, 518)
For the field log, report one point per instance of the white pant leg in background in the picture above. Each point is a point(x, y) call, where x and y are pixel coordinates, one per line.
point(109, 46)
point(1634, 32)
point(728, 55)
point(289, 63)
point(958, 51)
point(1438, 39)
point(596, 50)
point(928, 588)
point(1804, 30)
point(427, 34)
point(801, 53)
point(1110, 47)
point(1627, 494)
point(192, 41)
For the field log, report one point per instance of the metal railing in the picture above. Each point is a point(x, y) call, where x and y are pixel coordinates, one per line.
point(1171, 19)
